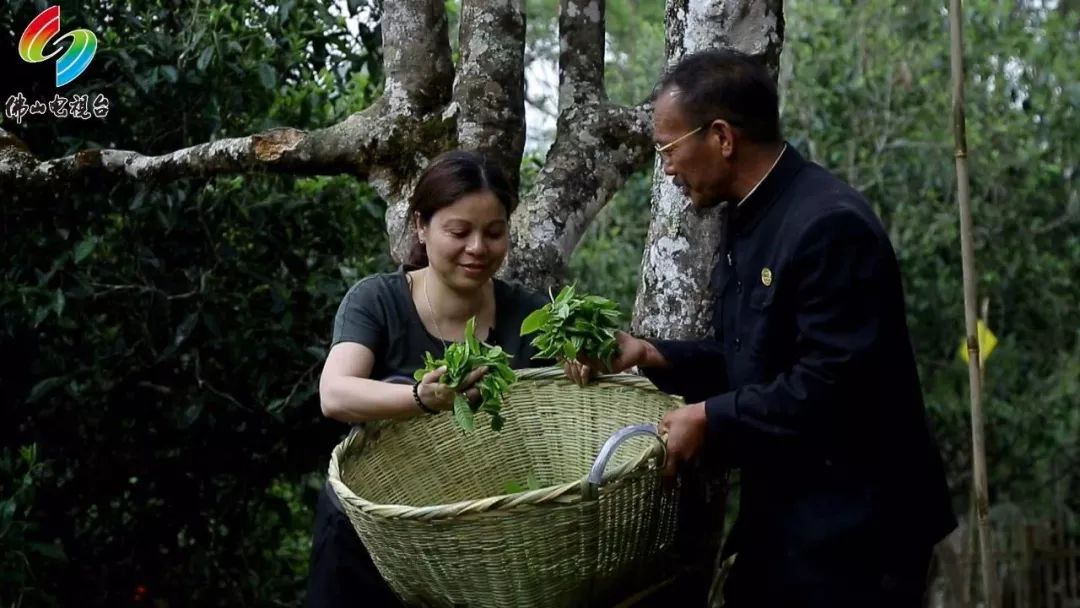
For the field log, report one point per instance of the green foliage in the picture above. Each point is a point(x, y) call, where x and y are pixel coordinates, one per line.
point(866, 93)
point(873, 105)
point(572, 325)
point(460, 360)
point(634, 53)
point(608, 259)
point(25, 561)
point(162, 344)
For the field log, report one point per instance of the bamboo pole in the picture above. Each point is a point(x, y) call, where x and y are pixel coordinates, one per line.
point(967, 252)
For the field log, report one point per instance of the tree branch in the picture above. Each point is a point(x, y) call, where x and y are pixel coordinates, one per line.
point(591, 158)
point(540, 104)
point(416, 54)
point(581, 52)
point(366, 144)
point(597, 146)
point(355, 145)
point(755, 27)
point(281, 150)
point(490, 88)
point(386, 144)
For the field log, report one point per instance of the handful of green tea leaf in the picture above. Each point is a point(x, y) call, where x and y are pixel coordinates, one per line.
point(571, 325)
point(460, 360)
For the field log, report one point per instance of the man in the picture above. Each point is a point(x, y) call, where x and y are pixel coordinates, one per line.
point(808, 381)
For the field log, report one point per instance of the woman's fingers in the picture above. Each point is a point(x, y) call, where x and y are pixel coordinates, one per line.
point(433, 393)
point(475, 376)
point(441, 396)
point(433, 375)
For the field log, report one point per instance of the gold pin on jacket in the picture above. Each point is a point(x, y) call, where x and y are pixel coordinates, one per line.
point(766, 276)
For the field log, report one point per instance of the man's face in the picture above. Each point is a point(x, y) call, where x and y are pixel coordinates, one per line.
point(699, 163)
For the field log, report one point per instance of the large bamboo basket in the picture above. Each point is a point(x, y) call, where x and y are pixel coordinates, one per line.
point(430, 503)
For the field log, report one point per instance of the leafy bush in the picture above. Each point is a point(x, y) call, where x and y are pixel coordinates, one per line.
point(162, 345)
point(24, 561)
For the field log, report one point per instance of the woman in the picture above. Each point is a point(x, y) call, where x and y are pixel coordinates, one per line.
point(460, 211)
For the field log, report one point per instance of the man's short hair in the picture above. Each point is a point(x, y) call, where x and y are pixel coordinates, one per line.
point(730, 85)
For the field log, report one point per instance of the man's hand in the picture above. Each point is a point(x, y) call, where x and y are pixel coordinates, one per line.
point(685, 428)
point(631, 351)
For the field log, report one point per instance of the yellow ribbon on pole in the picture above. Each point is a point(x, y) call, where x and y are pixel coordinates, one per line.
point(987, 342)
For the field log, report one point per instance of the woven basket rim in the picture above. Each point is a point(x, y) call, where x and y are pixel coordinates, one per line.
point(566, 493)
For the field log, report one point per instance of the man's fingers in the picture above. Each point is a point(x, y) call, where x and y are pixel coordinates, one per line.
point(591, 365)
point(574, 372)
point(473, 395)
point(665, 424)
point(667, 483)
point(614, 367)
point(671, 464)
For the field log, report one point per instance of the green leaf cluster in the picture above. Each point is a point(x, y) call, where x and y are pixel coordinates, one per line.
point(460, 360)
point(573, 325)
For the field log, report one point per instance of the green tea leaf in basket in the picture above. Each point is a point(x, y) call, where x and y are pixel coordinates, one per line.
point(532, 483)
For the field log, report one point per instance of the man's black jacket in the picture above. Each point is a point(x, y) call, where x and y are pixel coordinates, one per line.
point(810, 384)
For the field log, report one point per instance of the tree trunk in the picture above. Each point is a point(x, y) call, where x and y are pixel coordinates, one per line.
point(674, 298)
point(431, 105)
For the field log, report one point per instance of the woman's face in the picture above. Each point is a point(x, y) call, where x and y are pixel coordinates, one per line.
point(467, 240)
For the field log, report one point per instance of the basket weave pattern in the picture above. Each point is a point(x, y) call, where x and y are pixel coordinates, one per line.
point(430, 502)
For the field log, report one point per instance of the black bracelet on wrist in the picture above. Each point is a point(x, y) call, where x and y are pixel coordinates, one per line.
point(420, 404)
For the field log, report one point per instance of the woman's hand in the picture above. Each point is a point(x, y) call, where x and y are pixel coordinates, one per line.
point(439, 396)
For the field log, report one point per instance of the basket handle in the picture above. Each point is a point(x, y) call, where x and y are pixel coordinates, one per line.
point(591, 485)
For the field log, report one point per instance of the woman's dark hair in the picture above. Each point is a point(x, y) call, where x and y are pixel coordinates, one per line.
point(450, 176)
point(730, 85)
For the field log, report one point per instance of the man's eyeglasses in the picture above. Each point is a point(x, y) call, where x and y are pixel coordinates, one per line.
point(663, 150)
